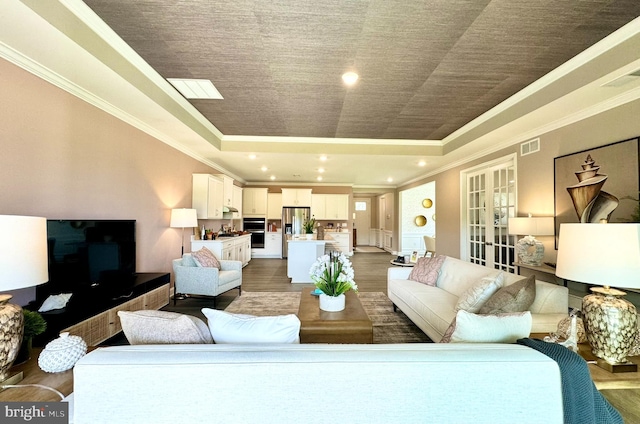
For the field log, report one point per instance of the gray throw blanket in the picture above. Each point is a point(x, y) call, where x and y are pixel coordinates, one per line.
point(583, 403)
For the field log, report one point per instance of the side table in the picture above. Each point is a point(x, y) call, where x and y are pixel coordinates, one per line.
point(393, 262)
point(603, 379)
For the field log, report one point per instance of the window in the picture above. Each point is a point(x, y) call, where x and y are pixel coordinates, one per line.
point(361, 206)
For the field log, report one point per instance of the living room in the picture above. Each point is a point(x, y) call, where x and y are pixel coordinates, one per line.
point(65, 158)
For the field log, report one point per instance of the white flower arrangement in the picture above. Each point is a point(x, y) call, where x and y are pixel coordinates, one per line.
point(333, 274)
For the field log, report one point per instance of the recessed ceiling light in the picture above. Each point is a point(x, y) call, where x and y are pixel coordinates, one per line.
point(273, 177)
point(323, 158)
point(319, 178)
point(422, 163)
point(321, 170)
point(196, 88)
point(264, 169)
point(349, 78)
point(389, 179)
point(252, 156)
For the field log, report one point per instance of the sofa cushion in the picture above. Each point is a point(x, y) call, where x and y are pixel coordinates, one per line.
point(426, 270)
point(475, 296)
point(516, 297)
point(162, 327)
point(498, 328)
point(239, 328)
point(205, 258)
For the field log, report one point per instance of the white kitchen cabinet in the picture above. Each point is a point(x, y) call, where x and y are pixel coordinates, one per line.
point(273, 245)
point(274, 206)
point(296, 197)
point(319, 205)
point(330, 206)
point(227, 190)
point(337, 207)
point(254, 202)
point(338, 241)
point(229, 248)
point(237, 201)
point(207, 196)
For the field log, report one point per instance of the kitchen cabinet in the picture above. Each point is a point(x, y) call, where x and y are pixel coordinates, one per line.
point(274, 206)
point(227, 190)
point(207, 196)
point(237, 201)
point(273, 245)
point(227, 248)
point(296, 197)
point(337, 241)
point(254, 202)
point(330, 206)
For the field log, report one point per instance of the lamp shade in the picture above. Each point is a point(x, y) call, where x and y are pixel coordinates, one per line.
point(602, 254)
point(531, 226)
point(183, 218)
point(23, 252)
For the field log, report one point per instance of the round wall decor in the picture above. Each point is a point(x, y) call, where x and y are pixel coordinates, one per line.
point(420, 220)
point(427, 203)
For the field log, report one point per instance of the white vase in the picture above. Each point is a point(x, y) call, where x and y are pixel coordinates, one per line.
point(309, 236)
point(331, 303)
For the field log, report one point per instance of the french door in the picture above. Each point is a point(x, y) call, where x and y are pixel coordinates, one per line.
point(490, 200)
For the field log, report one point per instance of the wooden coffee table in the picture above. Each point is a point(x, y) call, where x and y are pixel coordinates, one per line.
point(352, 325)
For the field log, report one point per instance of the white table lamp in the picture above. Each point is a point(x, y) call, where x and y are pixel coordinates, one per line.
point(183, 218)
point(23, 263)
point(607, 255)
point(530, 251)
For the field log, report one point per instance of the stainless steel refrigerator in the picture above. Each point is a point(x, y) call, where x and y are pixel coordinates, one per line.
point(292, 221)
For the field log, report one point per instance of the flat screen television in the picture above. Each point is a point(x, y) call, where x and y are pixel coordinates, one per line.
point(90, 253)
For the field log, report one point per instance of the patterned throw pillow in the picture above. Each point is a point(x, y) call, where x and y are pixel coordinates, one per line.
point(472, 299)
point(205, 258)
point(427, 270)
point(516, 297)
point(499, 328)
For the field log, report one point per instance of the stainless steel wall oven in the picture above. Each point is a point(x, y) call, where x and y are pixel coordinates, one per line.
point(257, 227)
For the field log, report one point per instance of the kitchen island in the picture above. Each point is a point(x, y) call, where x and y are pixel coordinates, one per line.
point(302, 254)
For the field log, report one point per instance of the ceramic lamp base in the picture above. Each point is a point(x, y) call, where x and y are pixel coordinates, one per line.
point(530, 252)
point(610, 324)
point(11, 327)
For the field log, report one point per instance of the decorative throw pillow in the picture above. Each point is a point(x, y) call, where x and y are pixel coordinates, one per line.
point(162, 327)
point(500, 328)
point(427, 270)
point(472, 299)
point(516, 297)
point(205, 258)
point(236, 328)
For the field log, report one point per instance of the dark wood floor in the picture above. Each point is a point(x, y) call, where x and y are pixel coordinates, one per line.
point(270, 275)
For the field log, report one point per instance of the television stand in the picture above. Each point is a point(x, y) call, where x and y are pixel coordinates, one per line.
point(94, 317)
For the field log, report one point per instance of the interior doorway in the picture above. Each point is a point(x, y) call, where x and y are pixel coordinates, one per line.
point(362, 225)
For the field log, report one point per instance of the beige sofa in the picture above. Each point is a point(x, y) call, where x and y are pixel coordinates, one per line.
point(432, 309)
point(315, 383)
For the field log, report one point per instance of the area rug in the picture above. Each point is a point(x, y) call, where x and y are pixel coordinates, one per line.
point(388, 326)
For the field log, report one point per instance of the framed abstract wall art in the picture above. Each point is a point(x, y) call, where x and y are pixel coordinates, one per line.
point(597, 184)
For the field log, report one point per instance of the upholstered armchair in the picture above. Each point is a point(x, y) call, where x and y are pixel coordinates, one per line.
point(206, 281)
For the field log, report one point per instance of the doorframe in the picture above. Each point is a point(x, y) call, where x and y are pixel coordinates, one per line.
point(513, 157)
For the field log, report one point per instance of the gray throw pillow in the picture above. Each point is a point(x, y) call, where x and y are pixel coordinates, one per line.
point(162, 327)
point(516, 297)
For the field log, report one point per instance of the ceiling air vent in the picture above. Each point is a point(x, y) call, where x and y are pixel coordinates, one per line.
point(529, 147)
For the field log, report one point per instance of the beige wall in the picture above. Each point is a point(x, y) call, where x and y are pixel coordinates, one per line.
point(535, 171)
point(63, 158)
